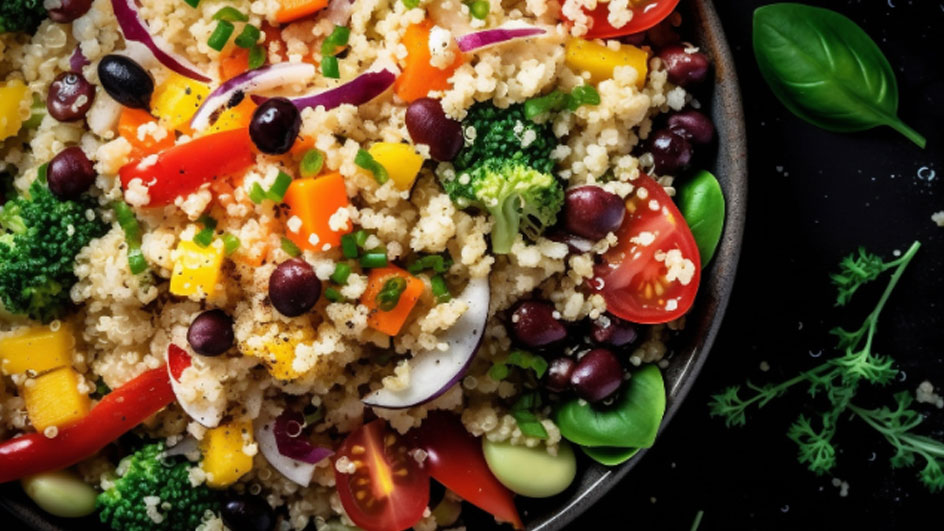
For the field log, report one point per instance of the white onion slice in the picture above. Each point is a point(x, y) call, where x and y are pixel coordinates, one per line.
point(294, 470)
point(433, 372)
point(135, 29)
point(358, 91)
point(482, 39)
point(264, 78)
point(204, 412)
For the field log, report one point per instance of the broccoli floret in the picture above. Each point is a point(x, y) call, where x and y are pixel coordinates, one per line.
point(155, 493)
point(504, 134)
point(21, 15)
point(40, 237)
point(518, 198)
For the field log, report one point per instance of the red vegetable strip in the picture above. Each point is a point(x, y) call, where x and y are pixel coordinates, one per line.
point(117, 413)
point(177, 361)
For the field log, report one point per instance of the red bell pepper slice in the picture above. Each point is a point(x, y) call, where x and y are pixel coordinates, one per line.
point(180, 170)
point(455, 459)
point(117, 413)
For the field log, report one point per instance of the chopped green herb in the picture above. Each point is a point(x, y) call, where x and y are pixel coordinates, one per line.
point(499, 372)
point(257, 57)
point(583, 95)
point(290, 248)
point(333, 295)
point(132, 229)
point(205, 236)
point(366, 161)
point(41, 173)
point(220, 36)
point(440, 289)
point(374, 259)
point(522, 359)
point(248, 37)
point(389, 295)
point(341, 273)
point(256, 193)
point(349, 246)
point(192, 3)
point(480, 8)
point(529, 424)
point(279, 187)
point(311, 163)
point(411, 4)
point(230, 244)
point(230, 14)
point(558, 101)
point(436, 262)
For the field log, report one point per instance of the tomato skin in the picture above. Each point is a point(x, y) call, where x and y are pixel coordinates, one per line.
point(633, 278)
point(455, 459)
point(396, 492)
point(644, 17)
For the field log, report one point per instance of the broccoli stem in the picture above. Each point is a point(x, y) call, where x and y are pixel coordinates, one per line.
point(507, 216)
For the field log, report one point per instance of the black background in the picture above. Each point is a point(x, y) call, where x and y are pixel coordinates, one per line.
point(814, 196)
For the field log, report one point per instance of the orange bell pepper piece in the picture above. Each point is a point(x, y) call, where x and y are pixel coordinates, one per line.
point(314, 201)
point(128, 123)
point(234, 62)
point(419, 76)
point(295, 9)
point(391, 321)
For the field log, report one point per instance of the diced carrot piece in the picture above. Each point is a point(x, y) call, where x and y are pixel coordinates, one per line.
point(419, 76)
point(302, 145)
point(128, 123)
point(390, 321)
point(295, 9)
point(233, 62)
point(314, 201)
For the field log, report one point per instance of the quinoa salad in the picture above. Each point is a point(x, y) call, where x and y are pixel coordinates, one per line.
point(340, 264)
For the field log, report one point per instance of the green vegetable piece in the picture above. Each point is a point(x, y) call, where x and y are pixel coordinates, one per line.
point(529, 424)
point(366, 161)
point(311, 163)
point(480, 8)
point(279, 187)
point(221, 34)
point(825, 69)
point(583, 95)
point(338, 38)
point(531, 472)
point(551, 102)
point(631, 422)
point(440, 289)
point(129, 224)
point(389, 295)
point(341, 273)
point(290, 248)
point(21, 15)
point(410, 4)
point(192, 3)
point(257, 57)
point(374, 259)
point(349, 246)
point(333, 295)
point(702, 204)
point(360, 238)
point(230, 244)
point(61, 493)
point(37, 113)
point(248, 37)
point(608, 455)
point(205, 236)
point(256, 193)
point(330, 67)
point(230, 14)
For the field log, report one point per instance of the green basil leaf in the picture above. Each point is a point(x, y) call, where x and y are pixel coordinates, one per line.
point(631, 422)
point(825, 69)
point(609, 455)
point(702, 204)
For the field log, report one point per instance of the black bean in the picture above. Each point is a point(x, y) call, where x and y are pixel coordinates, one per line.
point(558, 374)
point(126, 81)
point(693, 125)
point(294, 288)
point(70, 97)
point(275, 125)
point(597, 376)
point(428, 124)
point(69, 10)
point(533, 324)
point(248, 513)
point(592, 212)
point(683, 68)
point(613, 331)
point(211, 333)
point(70, 173)
point(671, 151)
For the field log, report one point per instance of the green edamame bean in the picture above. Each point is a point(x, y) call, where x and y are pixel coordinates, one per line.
point(701, 202)
point(61, 493)
point(531, 472)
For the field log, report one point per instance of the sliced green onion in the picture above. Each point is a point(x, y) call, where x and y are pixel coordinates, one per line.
point(554, 101)
point(348, 246)
point(230, 14)
point(256, 193)
point(136, 262)
point(257, 57)
point(529, 424)
point(329, 67)
point(290, 248)
point(248, 37)
point(410, 4)
point(583, 95)
point(205, 236)
point(440, 289)
point(333, 295)
point(279, 187)
point(221, 35)
point(314, 416)
point(192, 3)
point(389, 295)
point(37, 112)
point(230, 244)
point(366, 161)
point(360, 238)
point(132, 229)
point(338, 38)
point(341, 273)
point(374, 259)
point(480, 9)
point(311, 163)
point(499, 372)
point(41, 173)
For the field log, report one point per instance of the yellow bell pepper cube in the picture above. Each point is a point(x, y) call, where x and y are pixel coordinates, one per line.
point(233, 118)
point(177, 99)
point(587, 56)
point(14, 107)
point(224, 460)
point(401, 161)
point(53, 399)
point(38, 349)
point(196, 269)
point(277, 350)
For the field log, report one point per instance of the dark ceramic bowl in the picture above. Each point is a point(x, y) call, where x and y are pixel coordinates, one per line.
point(689, 351)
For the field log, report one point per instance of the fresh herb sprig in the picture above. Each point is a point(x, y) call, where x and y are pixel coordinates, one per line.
point(839, 379)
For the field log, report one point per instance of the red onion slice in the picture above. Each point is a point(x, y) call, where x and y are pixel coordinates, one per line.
point(77, 60)
point(338, 12)
point(264, 78)
point(135, 29)
point(433, 372)
point(294, 470)
point(287, 430)
point(490, 37)
point(358, 91)
point(204, 412)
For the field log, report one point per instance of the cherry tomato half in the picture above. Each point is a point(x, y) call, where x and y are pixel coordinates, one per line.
point(652, 274)
point(646, 14)
point(456, 460)
point(388, 490)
